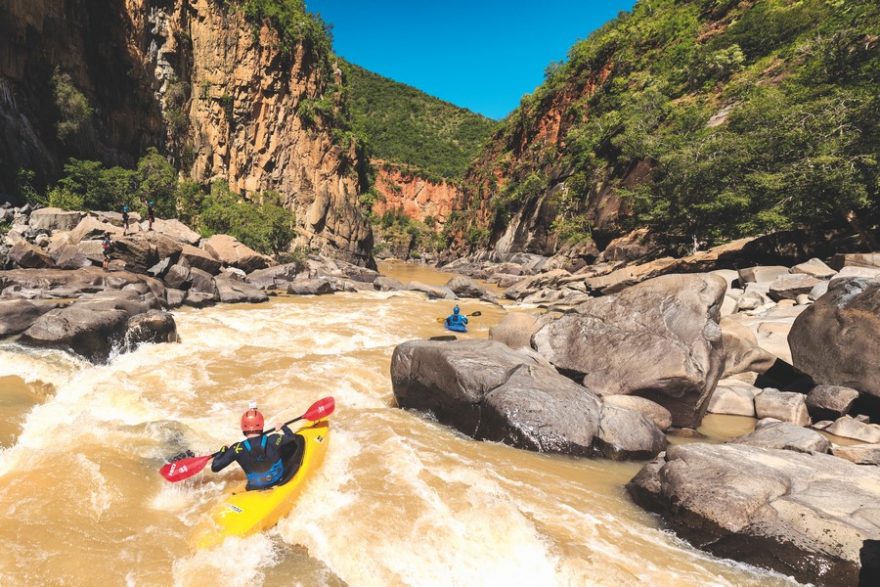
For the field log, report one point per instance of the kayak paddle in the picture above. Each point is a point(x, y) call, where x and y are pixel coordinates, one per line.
point(186, 468)
point(474, 315)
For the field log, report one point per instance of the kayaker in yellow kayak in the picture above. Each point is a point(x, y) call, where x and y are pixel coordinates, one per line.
point(264, 457)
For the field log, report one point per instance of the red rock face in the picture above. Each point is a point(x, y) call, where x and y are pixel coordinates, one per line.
point(413, 196)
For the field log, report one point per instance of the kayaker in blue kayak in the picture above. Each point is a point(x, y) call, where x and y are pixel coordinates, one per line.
point(457, 322)
point(267, 459)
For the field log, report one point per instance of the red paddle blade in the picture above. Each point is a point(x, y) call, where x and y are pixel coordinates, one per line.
point(320, 409)
point(184, 468)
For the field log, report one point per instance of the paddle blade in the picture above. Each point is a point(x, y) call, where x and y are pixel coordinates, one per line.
point(320, 409)
point(184, 468)
point(477, 313)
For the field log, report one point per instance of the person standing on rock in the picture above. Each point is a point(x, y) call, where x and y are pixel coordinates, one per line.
point(106, 245)
point(264, 457)
point(125, 219)
point(151, 214)
point(457, 322)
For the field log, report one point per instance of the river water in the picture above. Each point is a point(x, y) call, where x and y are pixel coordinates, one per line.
point(400, 499)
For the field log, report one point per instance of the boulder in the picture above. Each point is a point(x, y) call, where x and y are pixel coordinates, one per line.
point(754, 296)
point(654, 412)
point(853, 272)
point(93, 328)
point(236, 291)
point(174, 297)
point(69, 257)
point(277, 277)
point(818, 291)
point(836, 340)
point(54, 219)
point(383, 283)
point(229, 251)
point(733, 398)
point(515, 330)
point(311, 287)
point(176, 230)
point(202, 291)
point(860, 454)
point(802, 515)
point(815, 268)
point(488, 391)
point(840, 261)
point(154, 326)
point(178, 277)
point(741, 351)
point(27, 256)
point(671, 355)
point(91, 250)
point(199, 259)
point(762, 275)
point(530, 285)
point(90, 228)
point(137, 253)
point(847, 427)
point(785, 406)
point(785, 436)
point(631, 247)
point(789, 287)
point(829, 402)
point(18, 315)
point(433, 292)
point(465, 287)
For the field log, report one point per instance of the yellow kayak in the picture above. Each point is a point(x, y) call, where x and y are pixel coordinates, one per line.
point(244, 513)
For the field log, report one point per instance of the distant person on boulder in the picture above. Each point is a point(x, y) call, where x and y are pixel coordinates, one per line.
point(456, 321)
point(265, 458)
point(151, 213)
point(106, 245)
point(125, 219)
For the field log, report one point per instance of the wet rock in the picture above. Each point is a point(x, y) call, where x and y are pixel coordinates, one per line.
point(174, 297)
point(829, 402)
point(847, 427)
point(465, 287)
point(762, 275)
point(802, 515)
point(311, 287)
point(785, 406)
point(815, 268)
point(733, 398)
point(383, 283)
point(785, 436)
point(54, 219)
point(653, 411)
point(672, 355)
point(18, 315)
point(229, 251)
point(199, 259)
point(202, 291)
point(488, 391)
point(237, 291)
point(27, 256)
point(515, 330)
point(789, 287)
point(837, 339)
point(433, 292)
point(860, 454)
point(154, 326)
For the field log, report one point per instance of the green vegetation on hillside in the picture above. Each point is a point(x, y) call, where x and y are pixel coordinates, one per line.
point(752, 116)
point(261, 222)
point(405, 125)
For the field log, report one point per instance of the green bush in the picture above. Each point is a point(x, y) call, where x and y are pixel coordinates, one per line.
point(266, 227)
point(74, 110)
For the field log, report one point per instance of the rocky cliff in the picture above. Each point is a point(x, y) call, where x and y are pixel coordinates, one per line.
point(222, 93)
point(413, 196)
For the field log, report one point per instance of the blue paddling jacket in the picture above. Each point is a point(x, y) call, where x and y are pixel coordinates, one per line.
point(261, 457)
point(456, 319)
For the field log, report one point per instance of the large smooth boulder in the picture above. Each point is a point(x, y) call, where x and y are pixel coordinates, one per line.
point(54, 219)
point(311, 287)
point(202, 291)
point(27, 256)
point(847, 427)
point(786, 406)
point(277, 277)
point(672, 354)
point(802, 515)
point(754, 296)
point(153, 326)
point(178, 277)
point(236, 291)
point(137, 253)
point(199, 259)
point(465, 287)
point(232, 253)
point(854, 272)
point(69, 257)
point(829, 402)
point(95, 327)
point(789, 287)
point(91, 228)
point(836, 341)
point(515, 330)
point(383, 283)
point(762, 274)
point(733, 398)
point(488, 391)
point(741, 351)
point(432, 291)
point(654, 412)
point(815, 268)
point(176, 230)
point(17, 315)
point(785, 436)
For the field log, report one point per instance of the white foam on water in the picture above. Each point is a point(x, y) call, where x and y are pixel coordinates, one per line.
point(236, 562)
point(101, 498)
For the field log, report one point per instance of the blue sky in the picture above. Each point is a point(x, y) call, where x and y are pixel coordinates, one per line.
point(480, 54)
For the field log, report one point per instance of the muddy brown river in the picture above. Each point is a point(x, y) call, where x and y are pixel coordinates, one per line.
point(401, 500)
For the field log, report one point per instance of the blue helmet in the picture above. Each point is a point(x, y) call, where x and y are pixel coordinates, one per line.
point(456, 310)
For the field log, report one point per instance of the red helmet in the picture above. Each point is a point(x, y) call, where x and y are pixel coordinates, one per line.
point(252, 421)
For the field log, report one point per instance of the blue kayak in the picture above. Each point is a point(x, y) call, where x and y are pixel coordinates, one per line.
point(456, 327)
